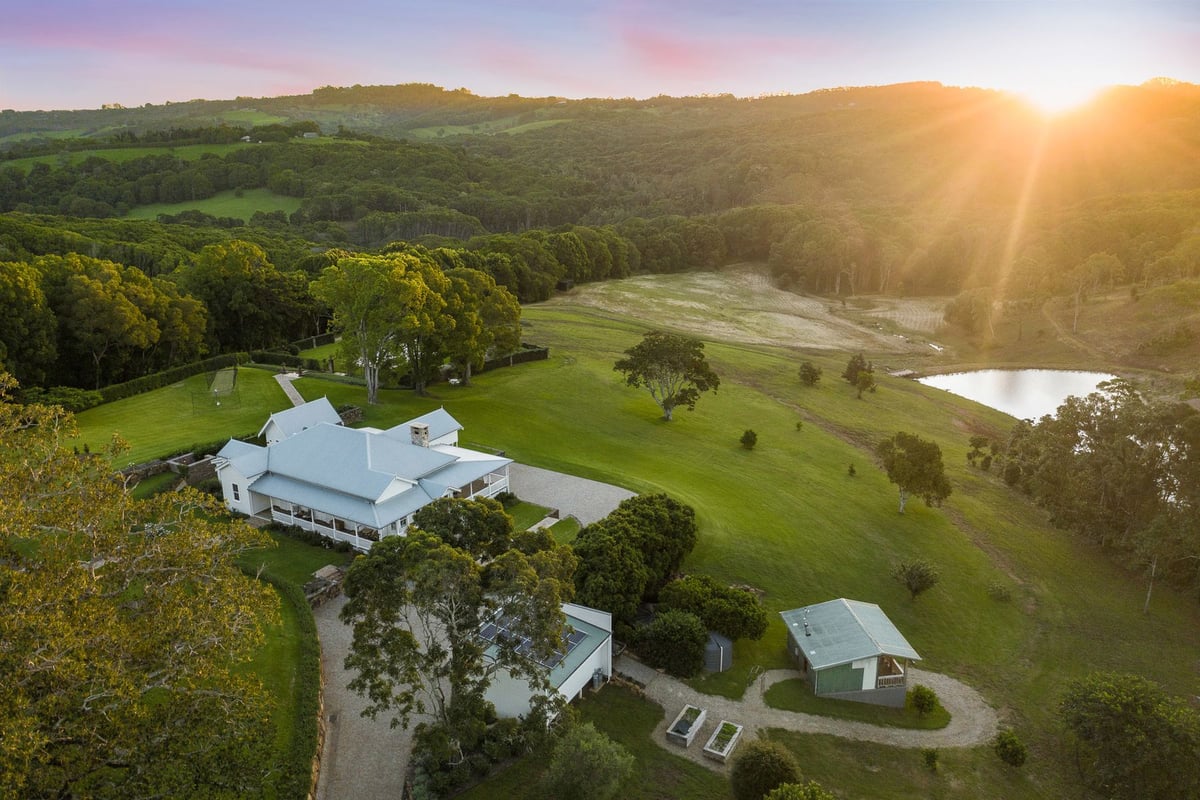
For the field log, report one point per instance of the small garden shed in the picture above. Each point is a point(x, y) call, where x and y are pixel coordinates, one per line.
point(850, 650)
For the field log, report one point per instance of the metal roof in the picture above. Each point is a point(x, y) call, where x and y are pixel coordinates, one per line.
point(439, 421)
point(840, 631)
point(293, 420)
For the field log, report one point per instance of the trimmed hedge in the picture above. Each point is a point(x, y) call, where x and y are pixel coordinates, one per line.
point(528, 352)
point(157, 380)
point(285, 360)
point(295, 775)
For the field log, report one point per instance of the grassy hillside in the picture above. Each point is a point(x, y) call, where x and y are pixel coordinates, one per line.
point(789, 519)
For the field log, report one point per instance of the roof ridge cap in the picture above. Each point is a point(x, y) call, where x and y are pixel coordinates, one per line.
point(846, 602)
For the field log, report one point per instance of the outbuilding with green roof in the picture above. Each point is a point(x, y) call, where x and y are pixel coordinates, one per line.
point(850, 650)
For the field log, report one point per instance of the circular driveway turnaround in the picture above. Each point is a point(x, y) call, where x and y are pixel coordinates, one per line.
point(588, 501)
point(972, 721)
point(363, 759)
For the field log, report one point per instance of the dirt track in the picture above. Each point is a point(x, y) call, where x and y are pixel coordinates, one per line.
point(739, 304)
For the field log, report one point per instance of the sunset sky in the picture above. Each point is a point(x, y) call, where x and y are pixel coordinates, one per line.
point(82, 53)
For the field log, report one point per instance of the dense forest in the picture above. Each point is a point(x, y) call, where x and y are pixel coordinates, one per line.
point(906, 189)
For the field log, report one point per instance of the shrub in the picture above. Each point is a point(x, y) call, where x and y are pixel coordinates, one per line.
point(749, 439)
point(999, 592)
point(733, 612)
point(923, 699)
point(586, 764)
point(799, 425)
point(851, 471)
point(800, 791)
point(507, 499)
point(810, 374)
point(930, 756)
point(917, 576)
point(674, 641)
point(1009, 748)
point(761, 767)
point(68, 397)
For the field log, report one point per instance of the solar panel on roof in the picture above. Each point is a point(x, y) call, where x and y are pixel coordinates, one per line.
point(576, 638)
point(524, 648)
point(489, 632)
point(552, 661)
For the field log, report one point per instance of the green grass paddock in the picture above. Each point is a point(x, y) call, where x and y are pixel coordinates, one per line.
point(224, 204)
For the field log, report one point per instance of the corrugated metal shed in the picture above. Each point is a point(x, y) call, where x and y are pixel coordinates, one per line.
point(841, 631)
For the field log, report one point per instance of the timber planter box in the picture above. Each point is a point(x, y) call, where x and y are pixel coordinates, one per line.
point(722, 741)
point(685, 727)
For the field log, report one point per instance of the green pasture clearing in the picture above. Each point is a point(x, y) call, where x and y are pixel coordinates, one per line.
point(507, 125)
point(74, 133)
point(628, 720)
point(534, 126)
point(797, 695)
point(788, 519)
point(190, 152)
point(327, 351)
point(224, 204)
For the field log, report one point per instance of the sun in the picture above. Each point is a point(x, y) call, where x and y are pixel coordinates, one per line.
point(1058, 94)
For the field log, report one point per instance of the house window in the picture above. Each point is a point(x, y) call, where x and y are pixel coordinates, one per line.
point(237, 495)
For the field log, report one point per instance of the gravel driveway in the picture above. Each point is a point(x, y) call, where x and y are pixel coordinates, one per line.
point(588, 501)
point(363, 759)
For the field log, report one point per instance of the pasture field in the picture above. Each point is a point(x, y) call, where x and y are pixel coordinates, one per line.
point(189, 152)
point(788, 519)
point(224, 204)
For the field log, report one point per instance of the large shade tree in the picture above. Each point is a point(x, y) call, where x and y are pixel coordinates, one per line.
point(915, 466)
point(671, 367)
point(126, 631)
point(417, 602)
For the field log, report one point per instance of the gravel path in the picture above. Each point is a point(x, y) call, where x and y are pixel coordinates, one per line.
point(972, 720)
point(362, 758)
point(284, 379)
point(588, 501)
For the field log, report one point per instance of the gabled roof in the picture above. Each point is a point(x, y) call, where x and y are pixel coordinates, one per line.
point(439, 421)
point(248, 459)
point(841, 631)
point(356, 462)
point(294, 420)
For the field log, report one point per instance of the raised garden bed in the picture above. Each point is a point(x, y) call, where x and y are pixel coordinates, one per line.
point(685, 727)
point(723, 740)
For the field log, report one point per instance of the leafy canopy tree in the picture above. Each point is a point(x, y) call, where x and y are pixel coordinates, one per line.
point(749, 439)
point(126, 631)
point(915, 465)
point(671, 367)
point(587, 765)
point(917, 576)
point(854, 367)
point(760, 768)
point(490, 323)
point(27, 326)
point(417, 602)
point(923, 699)
point(1131, 739)
point(728, 610)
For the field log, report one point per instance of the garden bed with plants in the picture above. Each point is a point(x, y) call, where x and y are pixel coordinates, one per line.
point(685, 727)
point(723, 740)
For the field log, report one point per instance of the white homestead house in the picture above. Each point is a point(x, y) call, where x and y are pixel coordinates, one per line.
point(355, 485)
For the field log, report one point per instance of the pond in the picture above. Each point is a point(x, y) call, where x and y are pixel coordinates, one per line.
point(1023, 393)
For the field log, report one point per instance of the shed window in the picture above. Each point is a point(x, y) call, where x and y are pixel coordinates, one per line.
point(237, 494)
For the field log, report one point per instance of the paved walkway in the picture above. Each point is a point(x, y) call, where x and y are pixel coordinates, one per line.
point(284, 379)
point(586, 500)
point(972, 720)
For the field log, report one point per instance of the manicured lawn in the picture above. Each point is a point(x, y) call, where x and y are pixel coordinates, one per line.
point(526, 515)
point(629, 720)
point(796, 695)
point(224, 204)
point(565, 530)
point(154, 485)
point(174, 417)
point(292, 560)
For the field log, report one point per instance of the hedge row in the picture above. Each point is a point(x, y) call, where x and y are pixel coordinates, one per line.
point(285, 360)
point(146, 383)
point(528, 352)
point(295, 776)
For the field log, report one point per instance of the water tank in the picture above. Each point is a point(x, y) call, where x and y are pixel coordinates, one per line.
point(718, 653)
